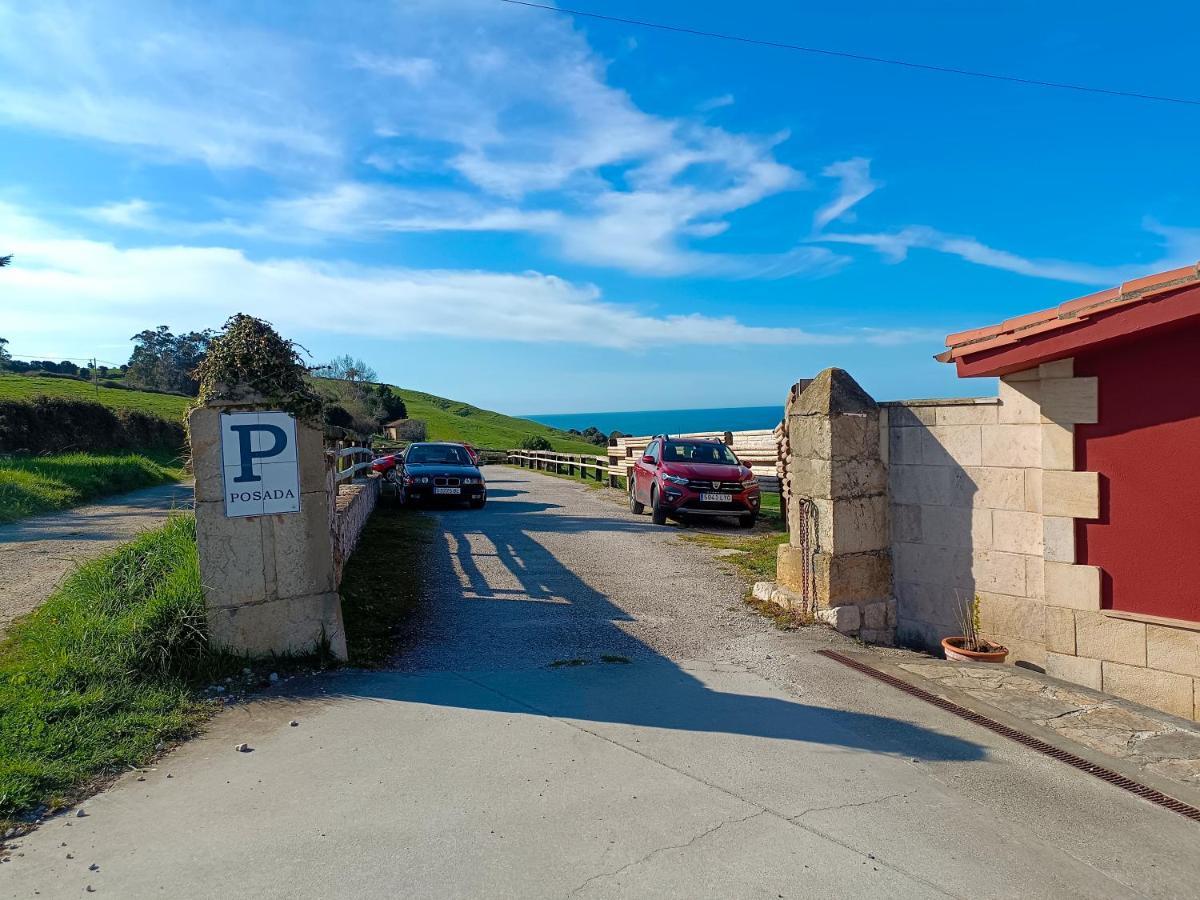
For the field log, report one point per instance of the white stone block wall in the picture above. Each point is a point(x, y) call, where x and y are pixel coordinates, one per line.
point(965, 487)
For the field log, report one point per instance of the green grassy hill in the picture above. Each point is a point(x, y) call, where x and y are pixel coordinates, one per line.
point(26, 387)
point(447, 420)
point(452, 420)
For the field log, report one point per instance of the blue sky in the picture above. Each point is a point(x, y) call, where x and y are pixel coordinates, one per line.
point(541, 213)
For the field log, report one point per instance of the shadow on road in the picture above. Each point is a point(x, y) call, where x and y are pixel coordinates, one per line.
point(529, 635)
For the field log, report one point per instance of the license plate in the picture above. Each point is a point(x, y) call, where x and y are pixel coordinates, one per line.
point(438, 490)
point(716, 498)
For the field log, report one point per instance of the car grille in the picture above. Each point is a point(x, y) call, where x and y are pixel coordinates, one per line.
point(724, 487)
point(443, 482)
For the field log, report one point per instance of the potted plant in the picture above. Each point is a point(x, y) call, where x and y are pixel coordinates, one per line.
point(969, 646)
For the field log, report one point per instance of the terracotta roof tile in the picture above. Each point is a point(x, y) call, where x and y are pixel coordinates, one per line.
point(976, 340)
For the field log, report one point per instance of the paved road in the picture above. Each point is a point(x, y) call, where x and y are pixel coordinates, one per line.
point(723, 760)
point(36, 553)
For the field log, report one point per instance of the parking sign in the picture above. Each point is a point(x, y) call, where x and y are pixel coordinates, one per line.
point(258, 457)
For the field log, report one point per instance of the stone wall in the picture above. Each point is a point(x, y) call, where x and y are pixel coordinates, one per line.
point(352, 505)
point(965, 488)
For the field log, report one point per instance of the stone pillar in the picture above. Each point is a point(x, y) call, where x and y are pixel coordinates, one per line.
point(269, 582)
point(838, 554)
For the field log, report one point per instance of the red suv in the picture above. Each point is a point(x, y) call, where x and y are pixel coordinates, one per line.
point(688, 477)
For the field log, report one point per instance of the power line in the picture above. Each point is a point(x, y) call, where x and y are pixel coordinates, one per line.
point(860, 57)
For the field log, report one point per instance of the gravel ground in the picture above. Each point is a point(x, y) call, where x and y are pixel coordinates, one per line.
point(36, 553)
point(604, 581)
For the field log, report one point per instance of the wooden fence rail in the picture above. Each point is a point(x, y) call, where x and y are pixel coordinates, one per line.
point(757, 449)
point(341, 458)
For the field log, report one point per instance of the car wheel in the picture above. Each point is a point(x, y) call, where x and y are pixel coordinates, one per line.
point(657, 513)
point(747, 521)
point(634, 506)
point(478, 502)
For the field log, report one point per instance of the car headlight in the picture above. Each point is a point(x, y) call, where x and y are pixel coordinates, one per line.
point(470, 481)
point(674, 479)
point(422, 481)
point(749, 482)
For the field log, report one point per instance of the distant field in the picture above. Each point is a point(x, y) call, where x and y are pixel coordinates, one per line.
point(451, 420)
point(26, 387)
point(447, 420)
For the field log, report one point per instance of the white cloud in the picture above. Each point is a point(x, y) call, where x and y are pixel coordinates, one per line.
point(535, 124)
point(168, 86)
point(134, 213)
point(1182, 248)
point(416, 70)
point(855, 186)
point(104, 290)
point(716, 102)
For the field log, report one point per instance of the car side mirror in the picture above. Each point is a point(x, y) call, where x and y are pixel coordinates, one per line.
point(648, 460)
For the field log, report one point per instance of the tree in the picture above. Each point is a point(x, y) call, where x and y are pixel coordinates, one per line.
point(346, 368)
point(5, 261)
point(5, 356)
point(535, 442)
point(165, 361)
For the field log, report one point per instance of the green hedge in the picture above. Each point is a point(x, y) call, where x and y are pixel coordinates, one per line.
point(59, 425)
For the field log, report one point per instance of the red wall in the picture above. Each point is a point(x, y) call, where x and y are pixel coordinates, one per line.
point(1146, 448)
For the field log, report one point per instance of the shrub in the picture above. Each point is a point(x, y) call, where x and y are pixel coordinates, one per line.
point(250, 355)
point(58, 425)
point(535, 442)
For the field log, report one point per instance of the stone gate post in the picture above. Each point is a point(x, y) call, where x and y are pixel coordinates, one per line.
point(266, 559)
point(838, 549)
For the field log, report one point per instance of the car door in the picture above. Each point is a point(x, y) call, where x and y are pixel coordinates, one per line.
point(646, 470)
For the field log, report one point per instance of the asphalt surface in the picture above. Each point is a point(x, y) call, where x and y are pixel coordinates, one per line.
point(36, 553)
point(585, 708)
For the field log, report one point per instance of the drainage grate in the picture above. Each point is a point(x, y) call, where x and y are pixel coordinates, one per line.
point(1020, 737)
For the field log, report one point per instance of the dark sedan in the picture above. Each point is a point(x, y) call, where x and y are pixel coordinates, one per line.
point(440, 471)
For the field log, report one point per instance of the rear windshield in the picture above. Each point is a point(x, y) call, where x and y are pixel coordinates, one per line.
point(699, 453)
point(426, 454)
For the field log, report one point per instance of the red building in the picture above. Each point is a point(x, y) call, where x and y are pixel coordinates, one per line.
point(1132, 355)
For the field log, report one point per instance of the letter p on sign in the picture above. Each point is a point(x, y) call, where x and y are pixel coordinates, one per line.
point(258, 459)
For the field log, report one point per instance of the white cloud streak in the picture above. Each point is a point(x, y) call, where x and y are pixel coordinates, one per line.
point(1182, 247)
point(855, 185)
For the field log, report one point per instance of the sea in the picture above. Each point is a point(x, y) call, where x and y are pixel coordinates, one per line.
point(668, 421)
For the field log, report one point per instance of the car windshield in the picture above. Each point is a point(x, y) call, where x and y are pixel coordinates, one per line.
point(699, 453)
point(434, 454)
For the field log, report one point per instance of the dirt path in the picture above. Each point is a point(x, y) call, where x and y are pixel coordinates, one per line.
point(35, 554)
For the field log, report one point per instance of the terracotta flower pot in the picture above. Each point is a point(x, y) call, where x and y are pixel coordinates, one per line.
point(952, 647)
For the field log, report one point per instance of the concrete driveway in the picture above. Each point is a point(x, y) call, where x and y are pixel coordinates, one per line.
point(584, 708)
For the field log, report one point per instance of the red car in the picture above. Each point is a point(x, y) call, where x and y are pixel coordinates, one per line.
point(384, 464)
point(690, 477)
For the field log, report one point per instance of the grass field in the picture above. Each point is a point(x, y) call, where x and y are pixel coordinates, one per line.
point(35, 484)
point(26, 387)
point(451, 420)
point(447, 420)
